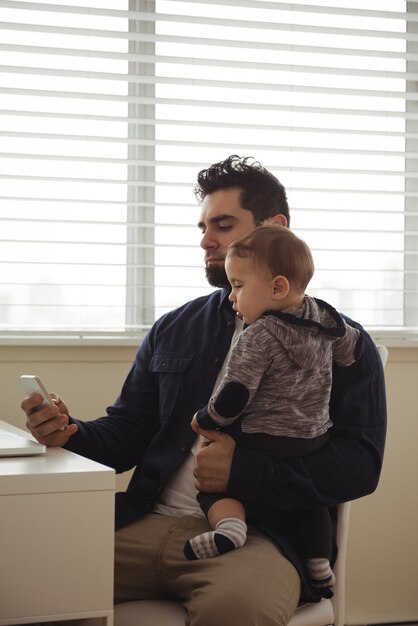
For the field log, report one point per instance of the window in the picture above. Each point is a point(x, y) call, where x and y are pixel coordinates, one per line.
point(110, 108)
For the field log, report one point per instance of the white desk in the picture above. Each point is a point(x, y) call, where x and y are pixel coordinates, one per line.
point(56, 538)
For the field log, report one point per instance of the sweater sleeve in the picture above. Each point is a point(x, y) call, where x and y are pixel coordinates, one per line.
point(230, 401)
point(244, 372)
point(345, 468)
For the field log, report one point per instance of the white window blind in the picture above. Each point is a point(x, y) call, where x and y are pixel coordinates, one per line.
point(109, 108)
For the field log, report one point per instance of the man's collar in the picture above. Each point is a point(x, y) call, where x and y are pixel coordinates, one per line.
point(223, 299)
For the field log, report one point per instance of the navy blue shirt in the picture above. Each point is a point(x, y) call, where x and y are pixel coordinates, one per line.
point(173, 375)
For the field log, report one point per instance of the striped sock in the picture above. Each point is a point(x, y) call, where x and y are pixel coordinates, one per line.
point(229, 534)
point(320, 572)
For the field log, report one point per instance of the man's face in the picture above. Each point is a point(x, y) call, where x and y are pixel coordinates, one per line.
point(222, 221)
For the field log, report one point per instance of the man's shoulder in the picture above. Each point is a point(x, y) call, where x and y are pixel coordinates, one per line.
point(210, 301)
point(368, 366)
point(198, 313)
point(186, 328)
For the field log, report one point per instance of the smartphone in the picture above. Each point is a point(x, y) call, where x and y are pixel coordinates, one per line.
point(33, 384)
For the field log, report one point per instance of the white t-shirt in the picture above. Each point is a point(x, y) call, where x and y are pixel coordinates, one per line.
point(179, 495)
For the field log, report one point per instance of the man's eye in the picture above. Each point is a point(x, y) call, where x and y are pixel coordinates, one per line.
point(225, 227)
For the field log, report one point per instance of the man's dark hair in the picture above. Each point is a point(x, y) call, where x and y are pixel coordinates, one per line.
point(262, 193)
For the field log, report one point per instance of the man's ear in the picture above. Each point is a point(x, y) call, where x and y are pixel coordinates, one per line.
point(280, 287)
point(278, 220)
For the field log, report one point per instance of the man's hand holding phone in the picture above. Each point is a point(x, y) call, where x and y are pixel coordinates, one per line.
point(47, 414)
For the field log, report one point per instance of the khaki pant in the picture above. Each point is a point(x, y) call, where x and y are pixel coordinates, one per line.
point(252, 586)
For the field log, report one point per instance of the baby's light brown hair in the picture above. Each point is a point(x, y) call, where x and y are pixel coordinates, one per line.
point(279, 250)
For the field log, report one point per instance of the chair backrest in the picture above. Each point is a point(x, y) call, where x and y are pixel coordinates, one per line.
point(383, 351)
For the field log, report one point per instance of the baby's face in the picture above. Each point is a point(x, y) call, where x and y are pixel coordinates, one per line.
point(252, 287)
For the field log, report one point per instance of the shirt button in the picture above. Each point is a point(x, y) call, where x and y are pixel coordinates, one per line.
point(229, 324)
point(184, 449)
point(217, 361)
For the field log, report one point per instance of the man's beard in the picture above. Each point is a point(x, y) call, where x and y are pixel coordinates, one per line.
point(216, 276)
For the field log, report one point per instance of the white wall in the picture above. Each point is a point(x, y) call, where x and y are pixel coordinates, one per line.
point(383, 551)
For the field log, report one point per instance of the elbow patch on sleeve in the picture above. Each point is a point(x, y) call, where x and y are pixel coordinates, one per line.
point(232, 400)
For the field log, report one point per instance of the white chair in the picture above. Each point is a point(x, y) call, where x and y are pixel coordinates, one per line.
point(327, 612)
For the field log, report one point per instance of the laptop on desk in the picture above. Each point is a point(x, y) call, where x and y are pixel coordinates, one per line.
point(12, 444)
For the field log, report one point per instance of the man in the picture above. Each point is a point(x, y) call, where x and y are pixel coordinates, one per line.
point(174, 374)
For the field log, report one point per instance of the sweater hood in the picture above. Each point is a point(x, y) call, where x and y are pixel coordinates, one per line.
point(307, 333)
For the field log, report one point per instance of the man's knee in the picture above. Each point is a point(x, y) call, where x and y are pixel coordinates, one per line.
point(252, 586)
point(220, 606)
